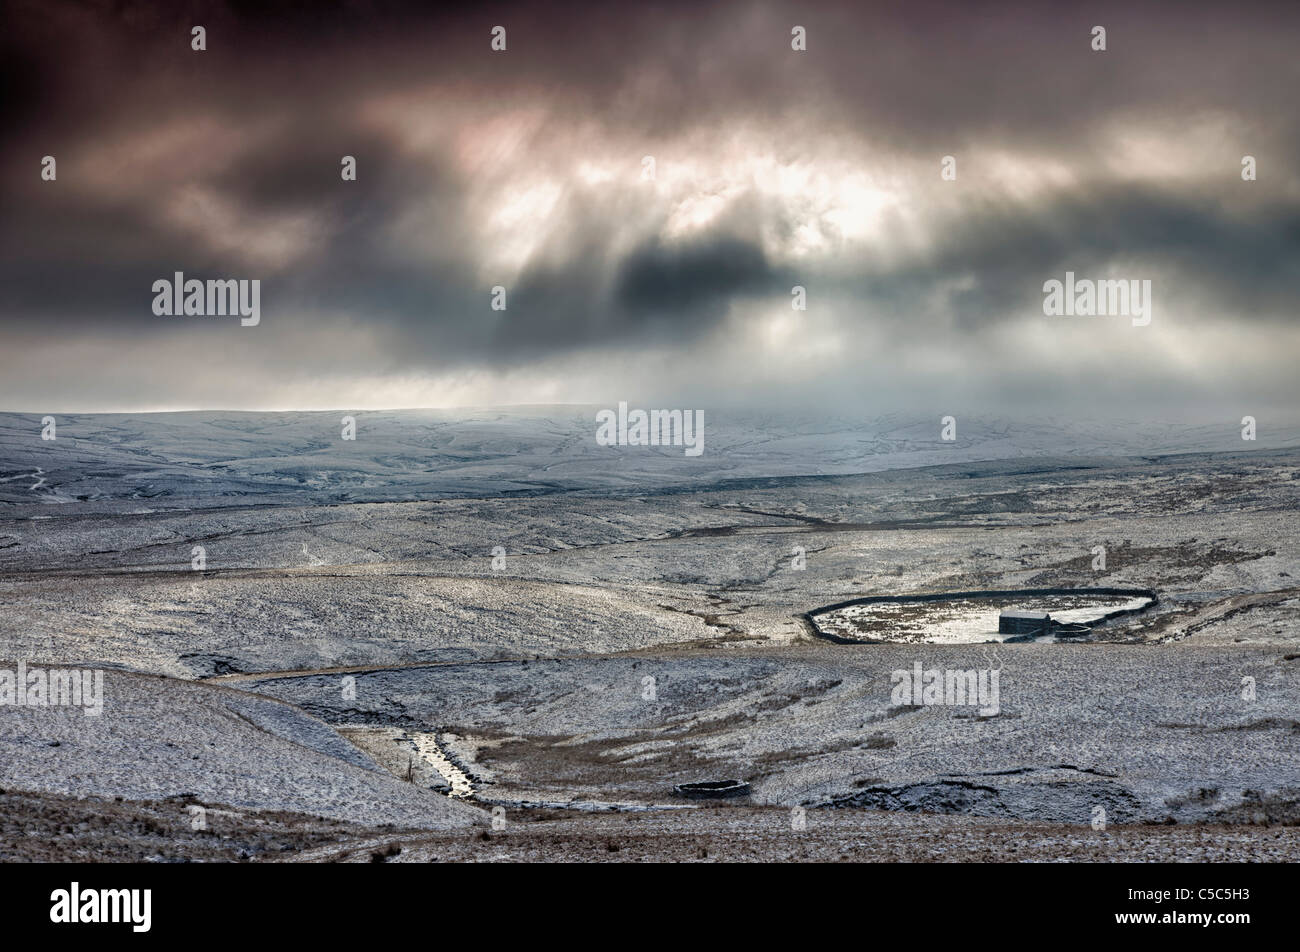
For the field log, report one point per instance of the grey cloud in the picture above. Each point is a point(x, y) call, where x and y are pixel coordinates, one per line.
point(887, 89)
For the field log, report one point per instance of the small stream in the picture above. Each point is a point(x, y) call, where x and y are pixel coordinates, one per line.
point(426, 745)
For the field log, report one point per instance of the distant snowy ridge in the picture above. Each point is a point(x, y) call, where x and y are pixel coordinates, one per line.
point(419, 453)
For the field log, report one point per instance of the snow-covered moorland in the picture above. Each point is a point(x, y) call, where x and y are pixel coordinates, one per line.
point(575, 624)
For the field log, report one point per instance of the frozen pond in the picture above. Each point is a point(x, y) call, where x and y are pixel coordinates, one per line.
point(968, 617)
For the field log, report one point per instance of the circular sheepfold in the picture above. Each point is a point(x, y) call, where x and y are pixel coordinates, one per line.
point(712, 789)
point(973, 617)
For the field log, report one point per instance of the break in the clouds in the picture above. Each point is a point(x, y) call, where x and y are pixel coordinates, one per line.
point(669, 280)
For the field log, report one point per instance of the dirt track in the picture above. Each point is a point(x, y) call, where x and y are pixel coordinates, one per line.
point(37, 828)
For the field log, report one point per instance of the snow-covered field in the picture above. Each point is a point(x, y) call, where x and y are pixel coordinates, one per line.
point(571, 623)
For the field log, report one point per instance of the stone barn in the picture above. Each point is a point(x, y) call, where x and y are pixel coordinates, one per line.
point(1020, 622)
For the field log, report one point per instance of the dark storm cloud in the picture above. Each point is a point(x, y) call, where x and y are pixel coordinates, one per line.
point(661, 280)
point(1246, 265)
point(471, 172)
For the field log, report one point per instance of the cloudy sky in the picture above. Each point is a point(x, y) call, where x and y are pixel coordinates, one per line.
point(772, 168)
